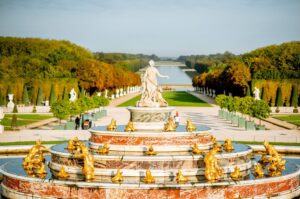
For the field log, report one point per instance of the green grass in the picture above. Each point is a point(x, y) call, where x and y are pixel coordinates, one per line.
point(23, 119)
point(31, 116)
point(31, 143)
point(293, 119)
point(176, 98)
point(273, 143)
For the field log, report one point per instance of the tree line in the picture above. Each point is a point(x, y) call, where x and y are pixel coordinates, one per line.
point(31, 64)
point(238, 73)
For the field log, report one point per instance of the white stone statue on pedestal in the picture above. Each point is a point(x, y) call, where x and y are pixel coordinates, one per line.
point(99, 94)
point(121, 92)
point(256, 93)
point(1, 117)
point(73, 95)
point(105, 93)
point(117, 93)
point(10, 104)
point(151, 92)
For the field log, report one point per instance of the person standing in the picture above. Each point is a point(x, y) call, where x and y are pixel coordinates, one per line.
point(177, 118)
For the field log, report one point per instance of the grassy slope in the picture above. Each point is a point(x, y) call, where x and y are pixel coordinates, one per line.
point(178, 98)
point(293, 119)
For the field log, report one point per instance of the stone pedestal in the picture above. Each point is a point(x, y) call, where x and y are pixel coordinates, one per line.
point(146, 118)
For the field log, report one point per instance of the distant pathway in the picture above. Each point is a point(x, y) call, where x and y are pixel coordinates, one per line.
point(120, 100)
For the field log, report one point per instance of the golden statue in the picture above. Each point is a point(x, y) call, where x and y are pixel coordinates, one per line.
point(112, 126)
point(88, 162)
point(104, 149)
point(118, 178)
point(227, 146)
point(151, 151)
point(149, 179)
point(180, 178)
point(212, 170)
point(195, 149)
point(70, 146)
point(190, 126)
point(213, 139)
point(42, 169)
point(218, 147)
point(129, 127)
point(35, 157)
point(258, 171)
point(170, 126)
point(236, 174)
point(62, 173)
point(277, 164)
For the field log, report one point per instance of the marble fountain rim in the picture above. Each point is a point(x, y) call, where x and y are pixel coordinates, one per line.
point(155, 172)
point(150, 134)
point(164, 109)
point(156, 158)
point(157, 148)
point(150, 186)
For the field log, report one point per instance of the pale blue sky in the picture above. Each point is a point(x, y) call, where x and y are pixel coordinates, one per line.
point(162, 27)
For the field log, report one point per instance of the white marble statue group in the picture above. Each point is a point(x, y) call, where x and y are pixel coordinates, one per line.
point(151, 93)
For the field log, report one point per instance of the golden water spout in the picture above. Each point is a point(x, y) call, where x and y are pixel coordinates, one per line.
point(180, 178)
point(212, 170)
point(190, 127)
point(277, 164)
point(88, 162)
point(151, 151)
point(42, 169)
point(195, 149)
point(112, 126)
point(236, 174)
point(170, 126)
point(218, 147)
point(149, 179)
point(227, 146)
point(130, 127)
point(62, 173)
point(104, 150)
point(118, 178)
point(258, 171)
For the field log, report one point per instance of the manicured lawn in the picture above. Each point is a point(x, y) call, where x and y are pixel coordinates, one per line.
point(23, 119)
point(176, 98)
point(293, 119)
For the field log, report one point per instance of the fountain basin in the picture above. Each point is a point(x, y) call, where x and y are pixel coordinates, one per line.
point(16, 184)
point(180, 137)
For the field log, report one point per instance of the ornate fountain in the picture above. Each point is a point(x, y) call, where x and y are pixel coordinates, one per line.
point(161, 160)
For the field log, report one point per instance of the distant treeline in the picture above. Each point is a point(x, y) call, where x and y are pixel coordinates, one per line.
point(132, 62)
point(236, 73)
point(32, 62)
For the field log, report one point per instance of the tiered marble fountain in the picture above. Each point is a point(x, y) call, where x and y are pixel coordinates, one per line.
point(150, 157)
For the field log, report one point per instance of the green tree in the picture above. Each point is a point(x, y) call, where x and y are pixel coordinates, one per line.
point(39, 97)
point(15, 110)
point(25, 98)
point(100, 101)
point(248, 92)
point(260, 109)
point(14, 122)
point(236, 104)
point(294, 98)
point(221, 100)
point(82, 92)
point(10, 89)
point(230, 104)
point(65, 95)
point(279, 101)
point(245, 105)
point(1, 99)
point(263, 94)
point(52, 95)
point(61, 109)
point(75, 108)
point(34, 109)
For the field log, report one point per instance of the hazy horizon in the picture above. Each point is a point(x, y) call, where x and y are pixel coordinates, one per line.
point(167, 28)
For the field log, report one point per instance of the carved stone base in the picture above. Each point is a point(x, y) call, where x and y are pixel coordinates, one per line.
point(146, 118)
